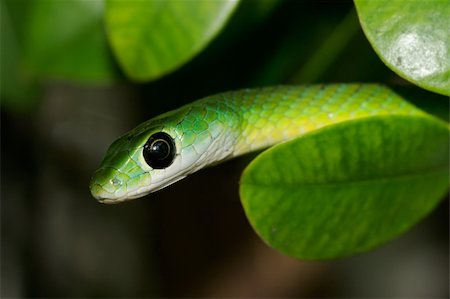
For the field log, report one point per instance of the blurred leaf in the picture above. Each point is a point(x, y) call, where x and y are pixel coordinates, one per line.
point(260, 10)
point(17, 92)
point(65, 39)
point(336, 41)
point(349, 187)
point(298, 55)
point(412, 38)
point(153, 37)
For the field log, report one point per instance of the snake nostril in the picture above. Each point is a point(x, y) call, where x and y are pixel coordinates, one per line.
point(116, 182)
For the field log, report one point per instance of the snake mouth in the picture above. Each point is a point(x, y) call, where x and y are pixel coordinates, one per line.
point(107, 200)
point(103, 196)
point(110, 201)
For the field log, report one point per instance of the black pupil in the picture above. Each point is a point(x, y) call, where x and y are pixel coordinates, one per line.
point(159, 150)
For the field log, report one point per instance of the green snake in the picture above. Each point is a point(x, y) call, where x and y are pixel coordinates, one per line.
point(169, 147)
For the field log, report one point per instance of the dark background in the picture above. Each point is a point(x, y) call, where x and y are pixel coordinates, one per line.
point(191, 239)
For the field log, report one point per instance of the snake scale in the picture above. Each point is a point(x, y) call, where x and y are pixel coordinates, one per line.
point(175, 144)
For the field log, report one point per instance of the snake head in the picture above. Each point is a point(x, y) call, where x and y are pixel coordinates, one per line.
point(121, 172)
point(138, 162)
point(156, 154)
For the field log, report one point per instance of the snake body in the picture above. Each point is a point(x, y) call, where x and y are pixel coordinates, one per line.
point(229, 124)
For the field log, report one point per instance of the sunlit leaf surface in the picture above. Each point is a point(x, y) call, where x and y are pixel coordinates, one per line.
point(412, 38)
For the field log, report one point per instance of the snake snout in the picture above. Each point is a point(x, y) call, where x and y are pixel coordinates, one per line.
point(108, 184)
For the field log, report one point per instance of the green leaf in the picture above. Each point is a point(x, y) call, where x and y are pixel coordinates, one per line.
point(153, 37)
point(412, 38)
point(349, 187)
point(17, 91)
point(65, 39)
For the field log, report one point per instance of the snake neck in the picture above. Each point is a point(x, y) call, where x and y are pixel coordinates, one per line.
point(267, 116)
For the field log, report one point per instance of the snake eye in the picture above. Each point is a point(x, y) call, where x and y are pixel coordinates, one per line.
point(159, 150)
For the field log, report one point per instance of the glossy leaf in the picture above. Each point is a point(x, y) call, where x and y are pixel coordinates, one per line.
point(412, 38)
point(153, 37)
point(347, 188)
point(65, 39)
